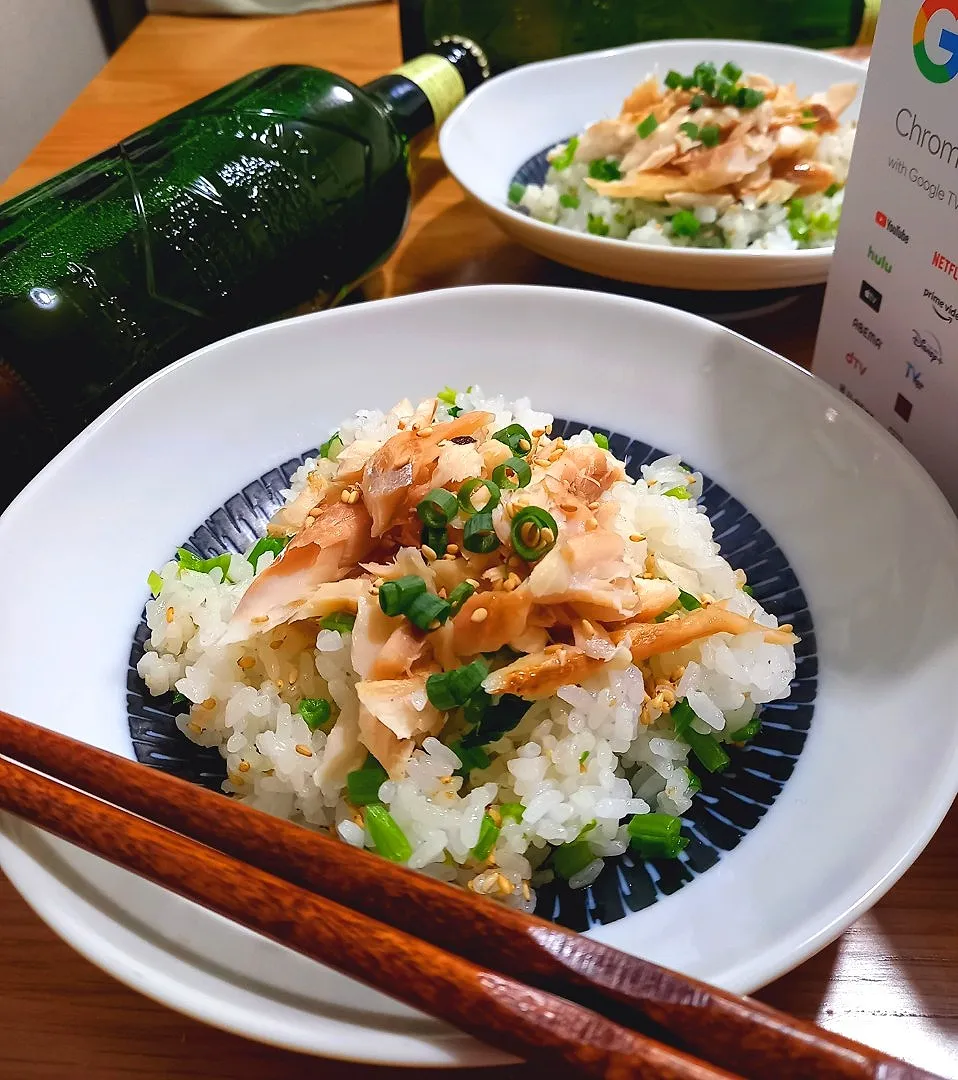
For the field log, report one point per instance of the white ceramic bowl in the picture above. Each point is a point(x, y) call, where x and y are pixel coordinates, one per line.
point(871, 539)
point(517, 115)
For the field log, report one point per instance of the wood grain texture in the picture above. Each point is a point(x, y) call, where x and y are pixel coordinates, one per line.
point(891, 981)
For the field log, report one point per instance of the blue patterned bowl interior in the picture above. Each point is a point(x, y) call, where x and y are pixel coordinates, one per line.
point(730, 804)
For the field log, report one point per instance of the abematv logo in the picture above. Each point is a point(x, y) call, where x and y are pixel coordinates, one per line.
point(936, 40)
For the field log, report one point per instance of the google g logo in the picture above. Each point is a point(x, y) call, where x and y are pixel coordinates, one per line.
point(936, 40)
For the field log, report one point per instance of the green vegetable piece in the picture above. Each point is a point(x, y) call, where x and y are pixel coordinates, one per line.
point(438, 508)
point(340, 621)
point(571, 859)
point(705, 747)
point(516, 191)
point(491, 719)
point(673, 80)
point(516, 438)
point(645, 129)
point(569, 201)
point(744, 734)
point(512, 474)
point(179, 698)
point(748, 590)
point(452, 689)
point(447, 396)
point(657, 836)
point(597, 226)
point(601, 169)
point(583, 757)
point(155, 583)
point(189, 561)
point(688, 601)
point(459, 595)
point(469, 488)
point(709, 135)
point(315, 712)
point(387, 837)
point(331, 447)
point(472, 757)
point(696, 103)
point(396, 596)
point(690, 129)
point(678, 493)
point(428, 611)
point(479, 534)
point(731, 72)
point(695, 784)
point(275, 544)
point(533, 533)
point(833, 189)
point(488, 835)
point(685, 223)
point(565, 159)
point(796, 209)
point(437, 539)
point(362, 786)
point(601, 441)
point(513, 810)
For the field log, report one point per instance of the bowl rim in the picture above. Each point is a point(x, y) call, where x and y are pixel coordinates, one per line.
point(718, 256)
point(27, 870)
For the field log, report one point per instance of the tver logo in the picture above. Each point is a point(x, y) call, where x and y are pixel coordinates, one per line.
point(884, 222)
point(879, 260)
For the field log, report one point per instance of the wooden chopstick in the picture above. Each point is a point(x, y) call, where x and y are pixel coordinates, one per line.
point(734, 1033)
point(522, 1020)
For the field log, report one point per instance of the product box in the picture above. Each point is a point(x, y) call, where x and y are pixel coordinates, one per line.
point(889, 332)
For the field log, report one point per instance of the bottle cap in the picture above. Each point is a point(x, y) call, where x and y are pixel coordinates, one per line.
point(471, 62)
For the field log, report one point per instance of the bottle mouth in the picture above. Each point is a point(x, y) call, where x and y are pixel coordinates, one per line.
point(476, 53)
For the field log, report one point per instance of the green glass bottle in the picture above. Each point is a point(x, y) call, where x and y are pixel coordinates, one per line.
point(280, 190)
point(514, 32)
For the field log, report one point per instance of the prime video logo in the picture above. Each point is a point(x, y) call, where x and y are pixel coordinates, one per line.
point(935, 40)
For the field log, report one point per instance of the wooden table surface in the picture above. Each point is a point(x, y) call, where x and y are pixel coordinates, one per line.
point(891, 980)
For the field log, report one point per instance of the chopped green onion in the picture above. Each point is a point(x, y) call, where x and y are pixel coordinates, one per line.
point(601, 441)
point(512, 474)
point(516, 191)
point(533, 533)
point(678, 493)
point(751, 729)
point(447, 396)
point(473, 713)
point(331, 447)
point(709, 135)
point(725, 92)
point(731, 72)
point(601, 169)
point(492, 721)
point(571, 859)
point(657, 836)
point(179, 698)
point(704, 76)
point(438, 508)
point(362, 786)
point(387, 837)
point(454, 411)
point(688, 81)
point(275, 544)
point(569, 201)
point(648, 125)
point(452, 689)
point(472, 757)
point(796, 209)
point(470, 487)
point(189, 561)
point(690, 129)
point(565, 159)
point(155, 583)
point(513, 810)
point(479, 534)
point(597, 225)
point(437, 539)
point(809, 125)
point(748, 590)
point(685, 223)
point(705, 747)
point(340, 621)
point(833, 189)
point(428, 611)
point(516, 438)
point(396, 596)
point(695, 784)
point(696, 103)
point(488, 835)
point(688, 601)
point(315, 712)
point(459, 595)
point(583, 757)
point(748, 98)
point(673, 80)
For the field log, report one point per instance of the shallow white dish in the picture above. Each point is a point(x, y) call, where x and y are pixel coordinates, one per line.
point(517, 115)
point(872, 541)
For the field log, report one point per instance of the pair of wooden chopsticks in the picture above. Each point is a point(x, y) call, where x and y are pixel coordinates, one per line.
point(536, 990)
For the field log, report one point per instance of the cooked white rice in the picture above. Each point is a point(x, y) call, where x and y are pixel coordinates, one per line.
point(598, 753)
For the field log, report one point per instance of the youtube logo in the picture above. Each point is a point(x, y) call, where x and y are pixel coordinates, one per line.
point(884, 222)
point(881, 220)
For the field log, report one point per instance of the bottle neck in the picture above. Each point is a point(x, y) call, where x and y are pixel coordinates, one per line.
point(420, 94)
point(866, 31)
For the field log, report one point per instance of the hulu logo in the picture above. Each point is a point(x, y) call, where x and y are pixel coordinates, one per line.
point(879, 260)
